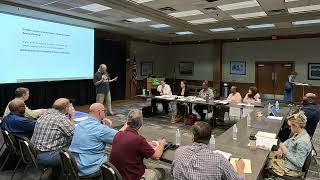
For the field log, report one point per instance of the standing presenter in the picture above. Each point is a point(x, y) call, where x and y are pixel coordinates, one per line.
point(101, 81)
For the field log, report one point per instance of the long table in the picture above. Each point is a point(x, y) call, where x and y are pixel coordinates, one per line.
point(238, 148)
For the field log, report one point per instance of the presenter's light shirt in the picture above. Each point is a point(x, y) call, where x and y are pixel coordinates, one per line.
point(104, 86)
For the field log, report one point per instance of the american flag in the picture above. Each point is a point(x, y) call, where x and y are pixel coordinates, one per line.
point(134, 70)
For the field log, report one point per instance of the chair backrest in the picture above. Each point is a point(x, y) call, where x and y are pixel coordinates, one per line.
point(28, 152)
point(307, 162)
point(110, 172)
point(10, 141)
point(69, 165)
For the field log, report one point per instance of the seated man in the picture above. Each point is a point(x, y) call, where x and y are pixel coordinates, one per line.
point(197, 161)
point(89, 141)
point(205, 93)
point(292, 154)
point(312, 112)
point(15, 122)
point(22, 94)
point(53, 131)
point(163, 89)
point(129, 149)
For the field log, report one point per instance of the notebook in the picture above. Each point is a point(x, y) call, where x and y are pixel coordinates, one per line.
point(224, 154)
point(247, 164)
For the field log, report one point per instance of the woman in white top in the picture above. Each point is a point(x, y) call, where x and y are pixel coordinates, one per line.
point(252, 96)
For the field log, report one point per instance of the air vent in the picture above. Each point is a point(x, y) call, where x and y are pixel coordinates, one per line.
point(277, 12)
point(210, 9)
point(167, 9)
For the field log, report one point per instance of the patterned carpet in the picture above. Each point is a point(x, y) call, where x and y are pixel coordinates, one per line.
point(161, 125)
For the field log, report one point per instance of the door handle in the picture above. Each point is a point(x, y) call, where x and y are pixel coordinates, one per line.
point(272, 76)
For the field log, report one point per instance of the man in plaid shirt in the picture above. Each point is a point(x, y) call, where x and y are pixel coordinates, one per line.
point(53, 131)
point(198, 162)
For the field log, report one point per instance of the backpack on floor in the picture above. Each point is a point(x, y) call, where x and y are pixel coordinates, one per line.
point(147, 112)
point(190, 119)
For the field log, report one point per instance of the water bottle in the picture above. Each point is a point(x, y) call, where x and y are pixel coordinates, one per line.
point(248, 120)
point(212, 142)
point(226, 117)
point(269, 109)
point(277, 106)
point(234, 132)
point(178, 137)
point(71, 110)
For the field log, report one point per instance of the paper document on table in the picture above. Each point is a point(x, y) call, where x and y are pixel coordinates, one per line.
point(275, 117)
point(302, 84)
point(242, 104)
point(247, 164)
point(224, 154)
point(265, 143)
point(224, 102)
point(266, 134)
point(246, 112)
point(200, 99)
point(234, 112)
point(81, 118)
point(181, 99)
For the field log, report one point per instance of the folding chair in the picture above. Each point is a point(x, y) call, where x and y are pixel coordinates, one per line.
point(12, 146)
point(70, 168)
point(110, 172)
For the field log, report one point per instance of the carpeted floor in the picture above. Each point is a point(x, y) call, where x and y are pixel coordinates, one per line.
point(161, 125)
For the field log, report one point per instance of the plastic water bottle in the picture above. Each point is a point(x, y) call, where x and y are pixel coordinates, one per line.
point(212, 142)
point(277, 106)
point(178, 137)
point(248, 120)
point(234, 132)
point(269, 109)
point(71, 110)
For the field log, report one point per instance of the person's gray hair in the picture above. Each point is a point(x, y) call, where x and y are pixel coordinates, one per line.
point(135, 119)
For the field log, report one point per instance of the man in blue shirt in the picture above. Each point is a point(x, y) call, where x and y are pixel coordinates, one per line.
point(89, 141)
point(312, 112)
point(15, 123)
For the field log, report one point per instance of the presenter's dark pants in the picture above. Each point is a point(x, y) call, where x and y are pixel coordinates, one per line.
point(165, 105)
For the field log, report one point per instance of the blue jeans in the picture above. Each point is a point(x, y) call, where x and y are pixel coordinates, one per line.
point(50, 158)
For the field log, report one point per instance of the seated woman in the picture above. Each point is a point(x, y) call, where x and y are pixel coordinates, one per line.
point(182, 108)
point(252, 96)
point(234, 96)
point(294, 151)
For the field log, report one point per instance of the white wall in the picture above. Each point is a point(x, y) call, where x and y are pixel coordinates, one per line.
point(166, 58)
point(301, 51)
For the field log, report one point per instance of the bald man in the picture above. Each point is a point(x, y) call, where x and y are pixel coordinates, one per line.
point(16, 123)
point(311, 111)
point(101, 81)
point(53, 131)
point(89, 141)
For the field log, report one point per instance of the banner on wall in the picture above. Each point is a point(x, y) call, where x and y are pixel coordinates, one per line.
point(238, 67)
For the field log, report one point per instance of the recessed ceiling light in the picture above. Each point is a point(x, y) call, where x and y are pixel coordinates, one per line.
point(249, 15)
point(95, 7)
point(139, 20)
point(184, 33)
point(140, 1)
point(304, 9)
point(185, 13)
point(203, 21)
point(222, 29)
point(313, 21)
point(260, 26)
point(291, 0)
point(159, 26)
point(240, 5)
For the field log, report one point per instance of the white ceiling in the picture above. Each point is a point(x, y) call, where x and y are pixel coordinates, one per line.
point(114, 20)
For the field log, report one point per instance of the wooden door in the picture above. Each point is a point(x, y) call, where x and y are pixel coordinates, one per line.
point(281, 73)
point(264, 75)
